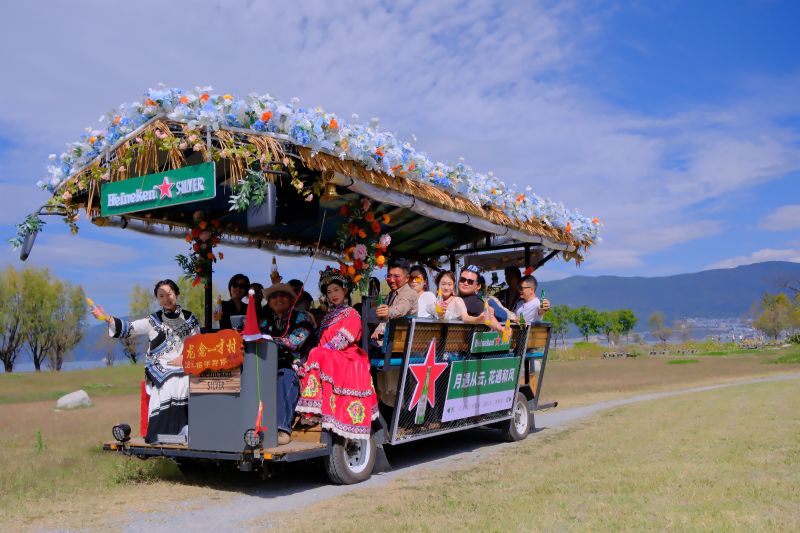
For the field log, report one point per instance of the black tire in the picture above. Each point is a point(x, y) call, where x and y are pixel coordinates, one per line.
point(351, 461)
point(519, 425)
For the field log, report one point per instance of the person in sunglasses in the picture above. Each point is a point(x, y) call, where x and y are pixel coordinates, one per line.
point(469, 285)
point(289, 328)
point(529, 305)
point(237, 287)
point(418, 280)
point(402, 299)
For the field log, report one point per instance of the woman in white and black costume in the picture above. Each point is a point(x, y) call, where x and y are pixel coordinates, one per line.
point(166, 383)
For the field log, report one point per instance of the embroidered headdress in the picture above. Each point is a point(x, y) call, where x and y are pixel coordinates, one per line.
point(331, 275)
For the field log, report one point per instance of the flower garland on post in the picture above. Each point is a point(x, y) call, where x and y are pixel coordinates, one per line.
point(204, 236)
point(362, 243)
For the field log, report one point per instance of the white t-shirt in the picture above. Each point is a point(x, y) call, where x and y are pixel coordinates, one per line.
point(426, 300)
point(530, 310)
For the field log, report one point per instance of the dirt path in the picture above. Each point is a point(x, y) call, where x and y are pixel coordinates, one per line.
point(299, 488)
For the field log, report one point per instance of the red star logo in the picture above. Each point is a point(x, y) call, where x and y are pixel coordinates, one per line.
point(421, 370)
point(165, 188)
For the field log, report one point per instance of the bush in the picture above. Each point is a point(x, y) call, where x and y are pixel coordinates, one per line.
point(794, 338)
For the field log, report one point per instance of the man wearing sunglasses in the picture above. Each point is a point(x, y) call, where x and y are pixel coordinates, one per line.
point(290, 330)
point(468, 286)
point(529, 305)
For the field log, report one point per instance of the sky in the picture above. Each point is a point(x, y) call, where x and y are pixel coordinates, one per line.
point(676, 123)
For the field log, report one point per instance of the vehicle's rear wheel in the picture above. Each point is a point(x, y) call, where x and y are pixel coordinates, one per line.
point(351, 461)
point(519, 425)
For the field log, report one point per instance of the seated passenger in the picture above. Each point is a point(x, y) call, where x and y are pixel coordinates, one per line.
point(402, 299)
point(258, 300)
point(238, 286)
point(469, 284)
point(452, 307)
point(498, 309)
point(510, 295)
point(165, 382)
point(418, 280)
point(529, 305)
point(336, 380)
point(290, 331)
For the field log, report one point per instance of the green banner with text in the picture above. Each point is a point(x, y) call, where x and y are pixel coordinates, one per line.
point(180, 186)
point(490, 341)
point(480, 387)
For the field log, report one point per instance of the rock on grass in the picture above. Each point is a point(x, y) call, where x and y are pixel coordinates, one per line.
point(73, 400)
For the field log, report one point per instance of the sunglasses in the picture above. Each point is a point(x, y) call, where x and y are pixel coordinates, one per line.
point(417, 279)
point(462, 279)
point(280, 294)
point(394, 276)
point(240, 285)
point(521, 288)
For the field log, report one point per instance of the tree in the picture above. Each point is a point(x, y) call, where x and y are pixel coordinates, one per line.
point(777, 314)
point(69, 321)
point(12, 323)
point(108, 346)
point(627, 321)
point(657, 327)
point(141, 302)
point(561, 317)
point(587, 320)
point(609, 324)
point(683, 329)
point(38, 309)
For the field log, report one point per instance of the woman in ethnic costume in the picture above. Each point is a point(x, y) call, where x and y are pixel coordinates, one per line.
point(336, 383)
point(165, 382)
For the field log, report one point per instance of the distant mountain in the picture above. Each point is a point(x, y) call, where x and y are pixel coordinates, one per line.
point(723, 293)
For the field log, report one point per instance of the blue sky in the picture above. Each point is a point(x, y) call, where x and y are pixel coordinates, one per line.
point(676, 123)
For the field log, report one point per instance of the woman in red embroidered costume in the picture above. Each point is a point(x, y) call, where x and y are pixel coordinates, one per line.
point(336, 383)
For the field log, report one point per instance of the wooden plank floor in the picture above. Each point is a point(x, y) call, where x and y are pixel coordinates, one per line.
point(295, 446)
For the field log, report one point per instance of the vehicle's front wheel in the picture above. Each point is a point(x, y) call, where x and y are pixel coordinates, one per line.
point(351, 461)
point(518, 426)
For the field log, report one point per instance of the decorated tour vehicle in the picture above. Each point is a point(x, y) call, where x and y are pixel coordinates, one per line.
point(257, 173)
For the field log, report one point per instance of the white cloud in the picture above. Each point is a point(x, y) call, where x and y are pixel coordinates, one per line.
point(487, 81)
point(782, 219)
point(758, 257)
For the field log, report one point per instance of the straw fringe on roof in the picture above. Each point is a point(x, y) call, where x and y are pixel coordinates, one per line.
point(323, 162)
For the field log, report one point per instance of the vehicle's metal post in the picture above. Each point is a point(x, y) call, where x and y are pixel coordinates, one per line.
point(527, 256)
point(208, 312)
point(453, 262)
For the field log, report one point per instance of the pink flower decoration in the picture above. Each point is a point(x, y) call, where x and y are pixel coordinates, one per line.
point(192, 138)
point(66, 195)
point(364, 204)
point(203, 246)
point(360, 252)
point(205, 236)
point(384, 240)
point(197, 147)
point(183, 146)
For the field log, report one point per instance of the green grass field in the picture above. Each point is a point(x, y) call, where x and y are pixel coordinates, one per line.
point(721, 460)
point(54, 475)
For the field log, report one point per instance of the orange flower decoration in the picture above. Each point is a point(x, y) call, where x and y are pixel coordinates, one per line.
point(343, 269)
point(386, 219)
point(333, 124)
point(411, 167)
point(379, 152)
point(369, 217)
point(203, 224)
point(220, 256)
point(188, 238)
point(381, 259)
point(211, 256)
point(351, 270)
point(215, 222)
point(596, 221)
point(357, 278)
point(195, 232)
point(116, 120)
point(353, 229)
point(362, 233)
point(204, 97)
point(569, 227)
point(184, 100)
point(266, 116)
point(345, 211)
point(150, 102)
point(376, 228)
point(196, 247)
point(214, 241)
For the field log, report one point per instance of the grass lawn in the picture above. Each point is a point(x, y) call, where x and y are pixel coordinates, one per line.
point(71, 483)
point(47, 385)
point(722, 460)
